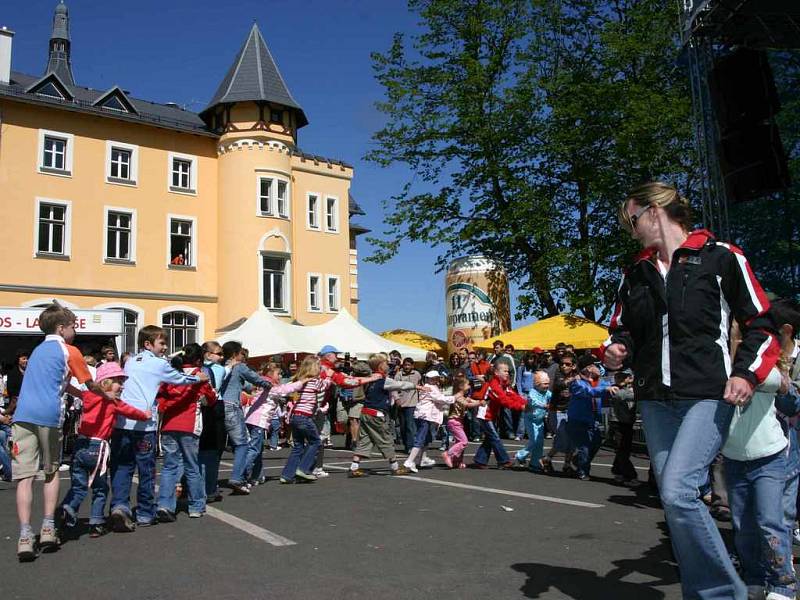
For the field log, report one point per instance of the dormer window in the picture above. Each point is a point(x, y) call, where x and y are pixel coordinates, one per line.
point(50, 86)
point(276, 116)
point(115, 99)
point(50, 90)
point(114, 104)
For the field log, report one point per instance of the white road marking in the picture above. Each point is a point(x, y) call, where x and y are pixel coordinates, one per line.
point(248, 527)
point(263, 534)
point(489, 490)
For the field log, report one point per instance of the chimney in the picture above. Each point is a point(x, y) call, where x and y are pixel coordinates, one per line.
point(6, 37)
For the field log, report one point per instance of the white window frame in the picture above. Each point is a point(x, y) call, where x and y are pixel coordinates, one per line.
point(67, 204)
point(320, 292)
point(335, 228)
point(328, 278)
point(195, 236)
point(287, 281)
point(171, 157)
point(133, 169)
point(201, 319)
point(274, 211)
point(69, 139)
point(309, 225)
point(132, 240)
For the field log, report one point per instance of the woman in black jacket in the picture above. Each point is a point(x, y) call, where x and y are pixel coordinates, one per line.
point(671, 326)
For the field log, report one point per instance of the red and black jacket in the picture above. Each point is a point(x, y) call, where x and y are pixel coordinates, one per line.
point(677, 329)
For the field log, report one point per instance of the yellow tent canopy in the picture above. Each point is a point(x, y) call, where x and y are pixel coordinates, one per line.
point(546, 333)
point(417, 339)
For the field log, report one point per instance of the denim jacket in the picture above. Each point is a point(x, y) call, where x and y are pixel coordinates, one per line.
point(235, 378)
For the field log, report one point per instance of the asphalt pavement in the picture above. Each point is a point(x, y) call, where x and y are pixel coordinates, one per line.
point(443, 534)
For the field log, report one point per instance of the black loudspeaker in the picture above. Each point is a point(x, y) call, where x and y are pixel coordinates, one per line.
point(743, 89)
point(752, 160)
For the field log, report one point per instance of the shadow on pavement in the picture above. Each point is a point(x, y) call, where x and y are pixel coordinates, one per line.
point(582, 584)
point(643, 496)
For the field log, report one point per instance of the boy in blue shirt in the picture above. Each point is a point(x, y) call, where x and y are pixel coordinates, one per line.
point(133, 443)
point(584, 413)
point(38, 420)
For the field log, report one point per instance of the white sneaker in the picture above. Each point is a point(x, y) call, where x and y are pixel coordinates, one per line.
point(426, 462)
point(411, 467)
point(320, 473)
point(777, 596)
point(64, 467)
point(796, 537)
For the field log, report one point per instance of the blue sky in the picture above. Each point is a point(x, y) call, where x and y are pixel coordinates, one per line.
point(178, 51)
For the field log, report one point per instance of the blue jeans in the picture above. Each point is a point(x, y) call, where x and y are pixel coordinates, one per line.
point(5, 457)
point(408, 427)
point(585, 439)
point(209, 469)
point(535, 446)
point(239, 439)
point(425, 432)
point(491, 442)
point(274, 432)
point(683, 437)
point(764, 544)
point(255, 458)
point(181, 450)
point(505, 422)
point(305, 444)
point(790, 503)
point(558, 425)
point(134, 451)
point(84, 461)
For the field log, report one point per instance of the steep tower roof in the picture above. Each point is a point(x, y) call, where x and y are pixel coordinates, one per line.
point(58, 61)
point(254, 76)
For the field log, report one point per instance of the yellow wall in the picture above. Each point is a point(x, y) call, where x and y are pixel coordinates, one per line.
point(225, 285)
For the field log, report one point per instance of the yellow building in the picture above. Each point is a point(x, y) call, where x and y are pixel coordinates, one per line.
point(186, 220)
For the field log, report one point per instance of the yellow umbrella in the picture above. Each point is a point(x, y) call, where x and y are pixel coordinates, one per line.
point(546, 333)
point(417, 339)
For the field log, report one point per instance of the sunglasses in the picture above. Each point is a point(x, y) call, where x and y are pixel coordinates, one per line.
point(634, 218)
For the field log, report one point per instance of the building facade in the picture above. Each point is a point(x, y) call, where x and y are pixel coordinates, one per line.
point(187, 220)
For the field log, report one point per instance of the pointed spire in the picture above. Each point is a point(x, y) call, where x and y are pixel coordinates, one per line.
point(254, 76)
point(59, 60)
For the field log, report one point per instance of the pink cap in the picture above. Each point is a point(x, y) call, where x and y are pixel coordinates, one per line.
point(108, 370)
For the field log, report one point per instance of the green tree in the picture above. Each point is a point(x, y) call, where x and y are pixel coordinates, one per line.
point(524, 122)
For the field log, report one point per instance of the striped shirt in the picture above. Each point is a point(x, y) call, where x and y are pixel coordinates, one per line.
point(311, 394)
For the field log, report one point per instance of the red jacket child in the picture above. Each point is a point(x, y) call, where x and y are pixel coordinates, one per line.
point(179, 405)
point(499, 394)
point(98, 416)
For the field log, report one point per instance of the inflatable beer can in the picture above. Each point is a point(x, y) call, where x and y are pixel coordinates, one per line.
point(476, 293)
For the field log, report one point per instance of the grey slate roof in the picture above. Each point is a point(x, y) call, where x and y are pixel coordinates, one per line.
point(61, 22)
point(162, 115)
point(58, 61)
point(254, 76)
point(355, 209)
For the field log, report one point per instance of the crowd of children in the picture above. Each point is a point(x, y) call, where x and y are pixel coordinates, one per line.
point(192, 408)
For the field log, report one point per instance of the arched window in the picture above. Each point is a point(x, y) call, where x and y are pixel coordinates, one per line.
point(130, 330)
point(181, 329)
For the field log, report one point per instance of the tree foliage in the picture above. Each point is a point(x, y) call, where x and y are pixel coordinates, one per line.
point(523, 123)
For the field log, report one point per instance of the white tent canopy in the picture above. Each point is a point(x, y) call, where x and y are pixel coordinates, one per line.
point(263, 334)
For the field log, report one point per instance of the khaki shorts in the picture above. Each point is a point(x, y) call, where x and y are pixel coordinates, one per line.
point(375, 432)
point(355, 410)
point(34, 445)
